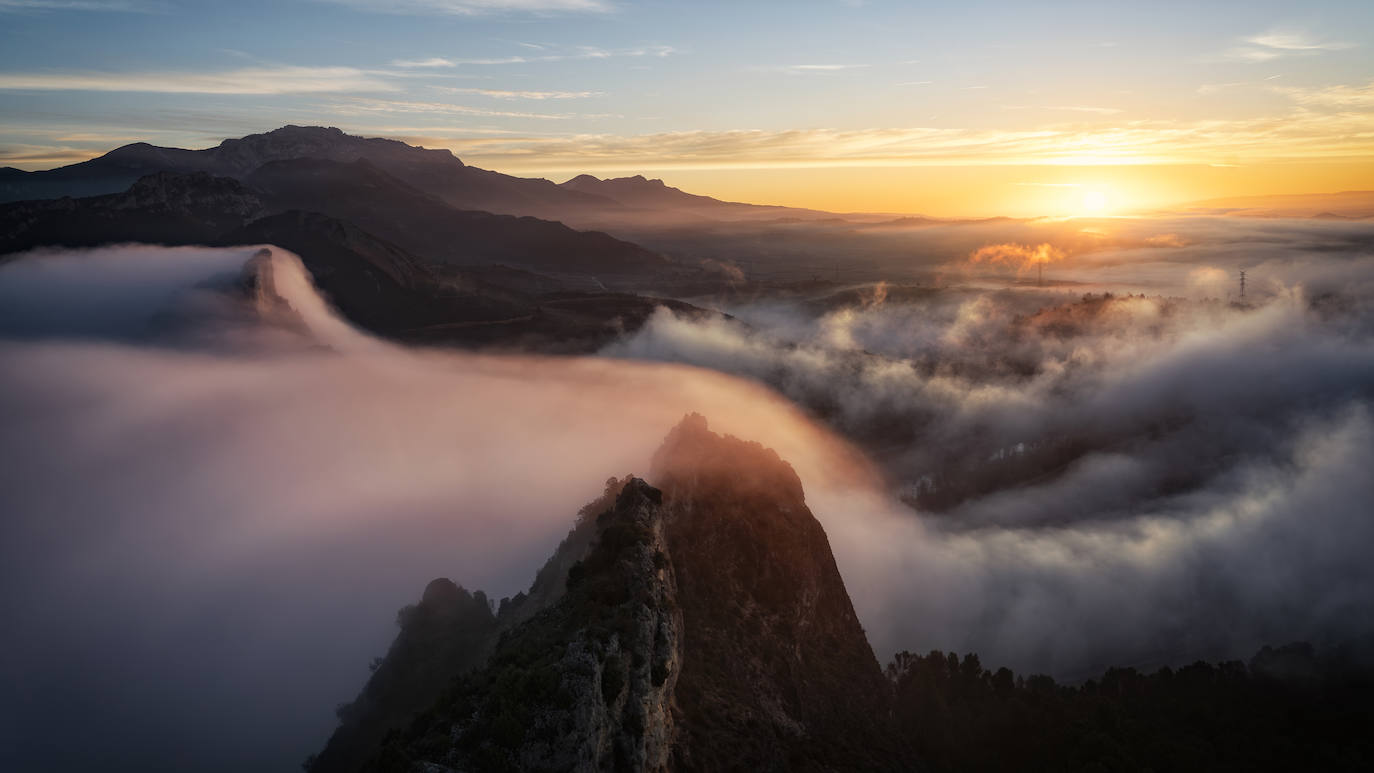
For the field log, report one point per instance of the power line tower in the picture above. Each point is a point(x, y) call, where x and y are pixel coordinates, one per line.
point(1242, 287)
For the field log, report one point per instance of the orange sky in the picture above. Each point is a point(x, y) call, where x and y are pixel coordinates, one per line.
point(955, 109)
point(1017, 191)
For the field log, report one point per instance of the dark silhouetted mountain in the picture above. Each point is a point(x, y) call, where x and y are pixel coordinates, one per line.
point(364, 194)
point(702, 625)
point(641, 197)
point(641, 193)
point(376, 283)
point(447, 633)
point(162, 208)
point(582, 201)
point(1289, 709)
point(437, 172)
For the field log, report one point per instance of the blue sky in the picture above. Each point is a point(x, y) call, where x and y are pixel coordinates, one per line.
point(557, 86)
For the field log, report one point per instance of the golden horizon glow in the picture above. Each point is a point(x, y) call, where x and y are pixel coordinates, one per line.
point(1094, 202)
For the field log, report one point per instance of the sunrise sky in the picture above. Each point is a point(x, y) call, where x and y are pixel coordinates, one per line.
point(968, 109)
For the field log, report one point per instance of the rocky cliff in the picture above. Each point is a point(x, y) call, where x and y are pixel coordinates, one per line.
point(696, 624)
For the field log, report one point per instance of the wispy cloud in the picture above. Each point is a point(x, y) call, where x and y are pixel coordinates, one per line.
point(249, 80)
point(43, 156)
point(502, 94)
point(433, 61)
point(361, 105)
point(573, 53)
point(1295, 135)
point(1276, 44)
point(99, 6)
point(477, 7)
point(1295, 41)
point(1068, 108)
point(1339, 97)
point(800, 69)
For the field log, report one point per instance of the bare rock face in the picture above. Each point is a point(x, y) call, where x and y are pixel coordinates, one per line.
point(162, 208)
point(777, 673)
point(699, 625)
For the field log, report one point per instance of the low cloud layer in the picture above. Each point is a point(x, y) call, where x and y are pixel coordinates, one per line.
point(219, 493)
point(214, 510)
point(1092, 479)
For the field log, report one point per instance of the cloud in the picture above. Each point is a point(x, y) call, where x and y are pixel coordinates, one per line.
point(501, 94)
point(441, 108)
point(1125, 480)
point(99, 6)
point(1341, 97)
point(1252, 55)
point(248, 80)
point(1276, 44)
point(24, 154)
point(1281, 40)
point(478, 7)
point(1068, 108)
point(1302, 134)
point(796, 69)
point(568, 54)
point(1022, 257)
point(251, 530)
point(1100, 480)
point(433, 61)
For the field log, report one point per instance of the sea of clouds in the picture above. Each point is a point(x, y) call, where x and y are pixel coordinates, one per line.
point(217, 493)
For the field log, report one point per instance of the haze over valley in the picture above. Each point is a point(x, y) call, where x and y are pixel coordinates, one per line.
point(659, 479)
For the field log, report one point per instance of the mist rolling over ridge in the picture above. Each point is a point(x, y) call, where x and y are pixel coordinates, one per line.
point(533, 386)
point(1078, 534)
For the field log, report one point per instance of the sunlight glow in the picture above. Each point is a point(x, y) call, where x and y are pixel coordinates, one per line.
point(1094, 202)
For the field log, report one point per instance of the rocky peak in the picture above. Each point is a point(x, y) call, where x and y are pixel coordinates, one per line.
point(694, 458)
point(245, 154)
point(701, 625)
point(771, 639)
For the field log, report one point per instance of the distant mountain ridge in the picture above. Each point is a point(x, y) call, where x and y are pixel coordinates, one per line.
point(640, 194)
point(582, 201)
point(1345, 205)
point(437, 172)
point(393, 259)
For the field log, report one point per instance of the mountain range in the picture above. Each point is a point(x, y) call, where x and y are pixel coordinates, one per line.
point(437, 173)
point(407, 242)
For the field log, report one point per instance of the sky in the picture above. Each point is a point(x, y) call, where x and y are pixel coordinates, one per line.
point(847, 105)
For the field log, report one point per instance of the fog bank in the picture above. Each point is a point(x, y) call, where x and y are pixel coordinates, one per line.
point(218, 494)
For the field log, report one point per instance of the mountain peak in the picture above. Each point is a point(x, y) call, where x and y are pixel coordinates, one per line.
point(294, 132)
point(694, 456)
point(704, 626)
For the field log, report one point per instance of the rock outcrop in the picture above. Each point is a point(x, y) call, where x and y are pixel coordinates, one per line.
point(697, 625)
point(777, 673)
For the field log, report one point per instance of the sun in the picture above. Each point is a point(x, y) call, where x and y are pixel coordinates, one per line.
point(1094, 202)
